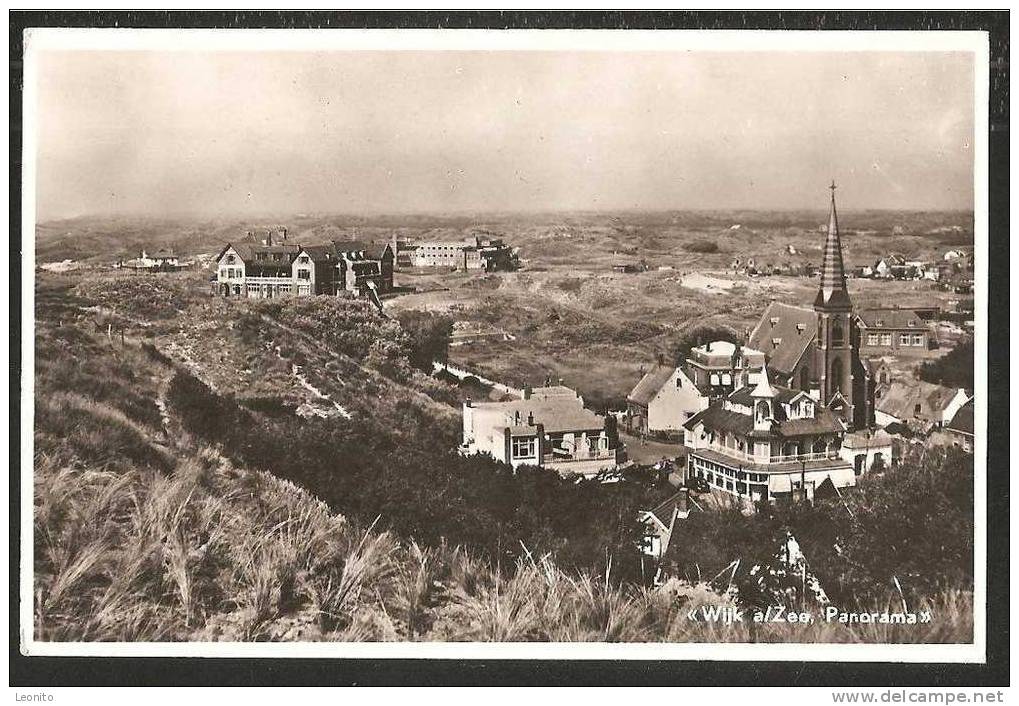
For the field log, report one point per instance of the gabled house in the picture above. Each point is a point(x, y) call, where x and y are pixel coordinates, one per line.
point(275, 267)
point(765, 442)
point(717, 367)
point(663, 400)
point(547, 427)
point(885, 267)
point(960, 428)
point(893, 330)
point(920, 406)
point(659, 524)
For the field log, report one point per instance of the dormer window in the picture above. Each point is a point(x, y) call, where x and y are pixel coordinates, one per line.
point(775, 342)
point(231, 259)
point(774, 320)
point(800, 328)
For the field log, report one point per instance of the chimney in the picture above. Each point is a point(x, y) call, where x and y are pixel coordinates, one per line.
point(516, 418)
point(530, 419)
point(283, 235)
point(268, 238)
point(683, 501)
point(527, 392)
point(468, 402)
point(661, 360)
point(707, 346)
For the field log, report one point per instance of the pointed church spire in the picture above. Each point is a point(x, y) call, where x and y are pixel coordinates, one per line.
point(832, 294)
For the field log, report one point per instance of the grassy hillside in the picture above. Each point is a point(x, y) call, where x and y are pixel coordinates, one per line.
point(173, 501)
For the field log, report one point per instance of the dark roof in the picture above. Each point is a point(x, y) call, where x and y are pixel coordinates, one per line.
point(794, 326)
point(824, 422)
point(343, 246)
point(900, 399)
point(716, 417)
point(784, 395)
point(963, 420)
point(651, 384)
point(891, 318)
point(162, 253)
point(664, 510)
point(873, 365)
point(320, 253)
point(247, 251)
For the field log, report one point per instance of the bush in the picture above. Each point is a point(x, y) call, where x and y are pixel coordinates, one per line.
point(700, 335)
point(954, 369)
point(913, 522)
point(429, 337)
point(702, 246)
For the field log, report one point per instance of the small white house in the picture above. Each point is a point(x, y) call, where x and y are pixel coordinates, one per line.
point(663, 400)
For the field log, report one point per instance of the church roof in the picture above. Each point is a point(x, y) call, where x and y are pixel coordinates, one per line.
point(833, 293)
point(783, 333)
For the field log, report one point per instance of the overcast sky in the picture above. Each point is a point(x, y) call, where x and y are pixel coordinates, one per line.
point(384, 132)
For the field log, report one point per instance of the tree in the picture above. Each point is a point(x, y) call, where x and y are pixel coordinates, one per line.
point(954, 369)
point(429, 337)
point(699, 335)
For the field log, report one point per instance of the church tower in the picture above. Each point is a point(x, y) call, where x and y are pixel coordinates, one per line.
point(834, 325)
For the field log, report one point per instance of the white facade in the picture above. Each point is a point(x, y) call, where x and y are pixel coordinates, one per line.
point(677, 401)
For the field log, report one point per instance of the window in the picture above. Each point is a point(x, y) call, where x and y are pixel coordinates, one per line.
point(916, 409)
point(886, 339)
point(304, 259)
point(838, 336)
point(873, 339)
point(304, 274)
point(523, 447)
point(904, 339)
point(231, 259)
point(917, 339)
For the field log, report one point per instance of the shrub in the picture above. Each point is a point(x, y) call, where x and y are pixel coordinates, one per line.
point(954, 369)
point(701, 246)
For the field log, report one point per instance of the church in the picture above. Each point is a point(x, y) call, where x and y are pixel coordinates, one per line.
point(787, 430)
point(818, 348)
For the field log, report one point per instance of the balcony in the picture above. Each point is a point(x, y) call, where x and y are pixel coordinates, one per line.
point(788, 458)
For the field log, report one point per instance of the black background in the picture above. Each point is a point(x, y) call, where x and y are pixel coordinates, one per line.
point(124, 671)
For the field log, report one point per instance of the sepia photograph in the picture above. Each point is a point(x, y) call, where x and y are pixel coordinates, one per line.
point(537, 344)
